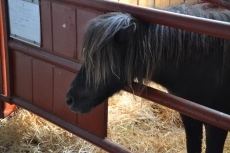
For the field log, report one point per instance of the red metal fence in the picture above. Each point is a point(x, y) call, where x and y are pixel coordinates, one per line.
point(37, 78)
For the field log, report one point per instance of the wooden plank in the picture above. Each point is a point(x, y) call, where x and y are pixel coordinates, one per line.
point(44, 56)
point(83, 17)
point(62, 80)
point(64, 30)
point(146, 3)
point(129, 1)
point(192, 1)
point(162, 3)
point(96, 121)
point(43, 85)
point(155, 3)
point(22, 76)
point(46, 25)
point(174, 2)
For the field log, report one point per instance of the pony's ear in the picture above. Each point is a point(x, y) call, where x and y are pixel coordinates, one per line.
point(125, 33)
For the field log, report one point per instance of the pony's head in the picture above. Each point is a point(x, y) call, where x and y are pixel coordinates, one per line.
point(108, 61)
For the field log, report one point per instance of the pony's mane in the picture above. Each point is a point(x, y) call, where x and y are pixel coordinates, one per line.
point(189, 44)
point(150, 46)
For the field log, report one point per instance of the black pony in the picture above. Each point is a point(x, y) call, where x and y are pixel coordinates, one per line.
point(118, 49)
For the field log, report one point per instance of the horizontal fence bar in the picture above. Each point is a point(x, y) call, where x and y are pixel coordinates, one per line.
point(180, 21)
point(186, 107)
point(222, 3)
point(45, 56)
point(103, 143)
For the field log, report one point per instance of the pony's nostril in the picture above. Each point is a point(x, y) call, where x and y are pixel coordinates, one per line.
point(70, 101)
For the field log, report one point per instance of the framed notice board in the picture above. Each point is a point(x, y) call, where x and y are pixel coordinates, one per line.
point(24, 20)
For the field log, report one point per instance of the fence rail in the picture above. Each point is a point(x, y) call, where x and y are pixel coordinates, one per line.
point(186, 107)
point(185, 22)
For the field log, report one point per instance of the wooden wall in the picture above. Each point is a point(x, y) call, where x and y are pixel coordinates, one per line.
point(39, 77)
point(156, 3)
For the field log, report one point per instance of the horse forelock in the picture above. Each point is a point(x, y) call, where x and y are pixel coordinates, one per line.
point(99, 53)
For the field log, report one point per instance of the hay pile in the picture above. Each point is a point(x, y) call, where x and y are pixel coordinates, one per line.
point(28, 133)
point(143, 126)
point(135, 123)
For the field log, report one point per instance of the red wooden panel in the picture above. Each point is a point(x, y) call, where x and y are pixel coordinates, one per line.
point(22, 76)
point(83, 17)
point(43, 85)
point(96, 121)
point(62, 80)
point(46, 24)
point(64, 30)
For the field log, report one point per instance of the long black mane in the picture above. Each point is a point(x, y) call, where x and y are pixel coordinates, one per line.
point(150, 46)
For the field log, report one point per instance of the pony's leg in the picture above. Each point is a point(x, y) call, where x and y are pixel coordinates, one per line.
point(215, 138)
point(193, 131)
